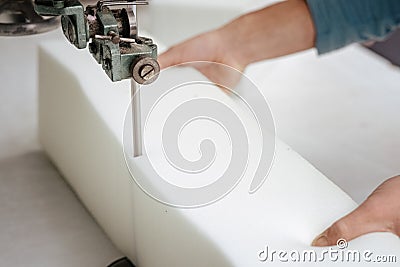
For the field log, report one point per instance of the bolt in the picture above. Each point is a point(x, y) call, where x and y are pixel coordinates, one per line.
point(114, 37)
point(147, 72)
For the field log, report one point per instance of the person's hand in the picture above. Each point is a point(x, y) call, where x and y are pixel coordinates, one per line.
point(274, 31)
point(379, 213)
point(208, 47)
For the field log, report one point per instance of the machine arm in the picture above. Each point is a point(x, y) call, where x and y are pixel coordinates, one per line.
point(110, 27)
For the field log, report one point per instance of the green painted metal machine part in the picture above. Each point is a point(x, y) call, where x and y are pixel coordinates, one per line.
point(111, 30)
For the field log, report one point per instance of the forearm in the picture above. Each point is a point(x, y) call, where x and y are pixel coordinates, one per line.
point(274, 31)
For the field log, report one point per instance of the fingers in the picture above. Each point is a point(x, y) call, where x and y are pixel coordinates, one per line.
point(367, 218)
point(206, 47)
point(169, 58)
point(379, 213)
point(194, 49)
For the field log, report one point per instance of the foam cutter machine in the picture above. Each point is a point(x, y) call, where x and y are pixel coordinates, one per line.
point(110, 28)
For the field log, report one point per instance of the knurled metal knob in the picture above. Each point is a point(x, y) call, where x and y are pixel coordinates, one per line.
point(145, 70)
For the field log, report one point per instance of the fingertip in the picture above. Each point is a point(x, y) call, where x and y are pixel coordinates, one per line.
point(348, 228)
point(321, 240)
point(163, 60)
point(167, 58)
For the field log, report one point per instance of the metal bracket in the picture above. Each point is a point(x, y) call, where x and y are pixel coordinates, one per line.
point(73, 20)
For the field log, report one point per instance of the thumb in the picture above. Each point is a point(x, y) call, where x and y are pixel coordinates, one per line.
point(361, 221)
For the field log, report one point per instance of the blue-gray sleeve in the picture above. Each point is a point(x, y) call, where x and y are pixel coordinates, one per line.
point(341, 22)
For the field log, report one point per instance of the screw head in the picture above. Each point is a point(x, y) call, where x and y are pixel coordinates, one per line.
point(145, 70)
point(115, 38)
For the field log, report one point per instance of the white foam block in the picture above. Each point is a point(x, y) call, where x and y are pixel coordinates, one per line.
point(81, 123)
